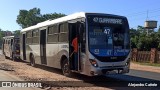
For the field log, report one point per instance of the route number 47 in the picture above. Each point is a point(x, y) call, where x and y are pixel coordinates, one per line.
point(109, 52)
point(107, 31)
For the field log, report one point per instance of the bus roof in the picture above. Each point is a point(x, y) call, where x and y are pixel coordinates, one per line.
point(62, 19)
point(8, 37)
point(50, 22)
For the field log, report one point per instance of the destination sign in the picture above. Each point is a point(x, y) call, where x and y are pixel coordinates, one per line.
point(107, 20)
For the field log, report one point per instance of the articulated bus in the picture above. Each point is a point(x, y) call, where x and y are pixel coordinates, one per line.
point(103, 44)
point(11, 47)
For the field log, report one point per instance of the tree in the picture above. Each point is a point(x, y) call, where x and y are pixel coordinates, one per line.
point(159, 29)
point(134, 32)
point(134, 41)
point(53, 16)
point(29, 18)
point(21, 18)
point(2, 34)
point(158, 38)
point(33, 16)
point(142, 41)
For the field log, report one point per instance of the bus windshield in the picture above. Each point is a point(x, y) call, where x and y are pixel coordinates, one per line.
point(109, 39)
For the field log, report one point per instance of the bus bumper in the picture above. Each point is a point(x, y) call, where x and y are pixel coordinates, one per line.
point(109, 70)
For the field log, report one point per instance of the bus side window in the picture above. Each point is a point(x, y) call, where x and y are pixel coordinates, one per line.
point(63, 35)
point(29, 37)
point(35, 38)
point(52, 34)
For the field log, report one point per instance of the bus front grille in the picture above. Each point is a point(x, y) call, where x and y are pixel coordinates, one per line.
point(109, 59)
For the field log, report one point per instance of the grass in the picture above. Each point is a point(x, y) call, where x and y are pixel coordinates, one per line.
point(148, 64)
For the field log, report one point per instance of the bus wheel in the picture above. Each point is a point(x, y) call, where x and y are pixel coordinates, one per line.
point(13, 58)
point(32, 60)
point(6, 57)
point(65, 68)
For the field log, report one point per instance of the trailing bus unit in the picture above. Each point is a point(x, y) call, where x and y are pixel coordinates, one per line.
point(11, 47)
point(103, 44)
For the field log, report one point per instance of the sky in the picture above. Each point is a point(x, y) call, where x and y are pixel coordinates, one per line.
point(134, 10)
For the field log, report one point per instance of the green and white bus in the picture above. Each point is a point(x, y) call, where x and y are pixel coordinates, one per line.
point(103, 44)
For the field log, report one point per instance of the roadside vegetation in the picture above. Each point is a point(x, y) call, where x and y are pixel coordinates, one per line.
point(143, 41)
point(28, 18)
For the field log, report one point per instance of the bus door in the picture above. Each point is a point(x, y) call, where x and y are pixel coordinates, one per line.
point(43, 46)
point(24, 46)
point(72, 35)
point(75, 30)
point(80, 32)
point(3, 46)
point(11, 48)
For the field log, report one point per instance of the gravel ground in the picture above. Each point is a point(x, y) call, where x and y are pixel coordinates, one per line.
point(145, 68)
point(40, 73)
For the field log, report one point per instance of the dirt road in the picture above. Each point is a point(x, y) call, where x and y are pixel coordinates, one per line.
point(40, 73)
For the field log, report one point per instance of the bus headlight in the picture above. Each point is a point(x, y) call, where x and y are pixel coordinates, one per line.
point(128, 62)
point(93, 62)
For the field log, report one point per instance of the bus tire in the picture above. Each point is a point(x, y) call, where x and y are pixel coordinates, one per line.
point(6, 57)
point(13, 58)
point(32, 60)
point(65, 68)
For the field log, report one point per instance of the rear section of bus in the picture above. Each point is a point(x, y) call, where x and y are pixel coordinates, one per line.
point(108, 44)
point(16, 48)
